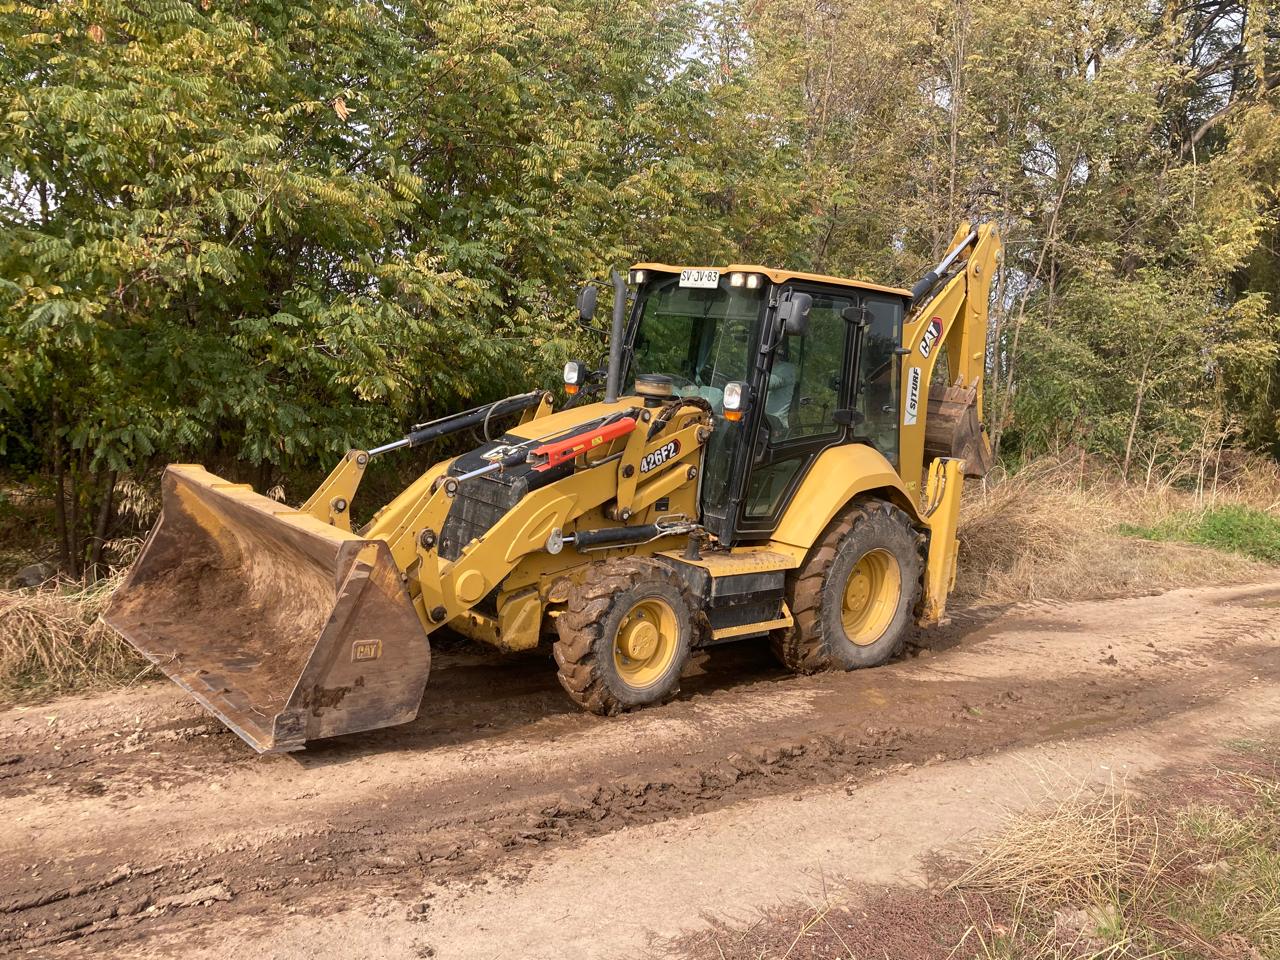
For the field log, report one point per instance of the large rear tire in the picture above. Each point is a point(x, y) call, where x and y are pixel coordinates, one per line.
point(625, 636)
point(854, 596)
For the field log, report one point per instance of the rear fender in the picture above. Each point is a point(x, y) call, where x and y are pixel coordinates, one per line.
point(838, 476)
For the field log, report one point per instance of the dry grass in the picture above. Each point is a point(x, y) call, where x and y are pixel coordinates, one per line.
point(51, 641)
point(1052, 531)
point(1108, 875)
point(1075, 874)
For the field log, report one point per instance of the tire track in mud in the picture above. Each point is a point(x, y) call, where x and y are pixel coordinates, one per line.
point(481, 820)
point(395, 855)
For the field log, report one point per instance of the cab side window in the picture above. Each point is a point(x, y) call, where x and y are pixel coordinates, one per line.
point(807, 377)
point(878, 375)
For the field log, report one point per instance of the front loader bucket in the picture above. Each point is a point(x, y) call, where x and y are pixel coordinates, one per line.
point(287, 628)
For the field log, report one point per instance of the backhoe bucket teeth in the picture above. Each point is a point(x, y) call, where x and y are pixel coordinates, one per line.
point(287, 628)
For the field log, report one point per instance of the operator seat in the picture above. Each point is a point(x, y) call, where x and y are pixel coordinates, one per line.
point(780, 398)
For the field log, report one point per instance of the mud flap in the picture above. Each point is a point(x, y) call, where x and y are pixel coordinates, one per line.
point(284, 627)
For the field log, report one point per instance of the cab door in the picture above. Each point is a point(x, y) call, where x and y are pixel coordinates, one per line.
point(836, 384)
point(795, 418)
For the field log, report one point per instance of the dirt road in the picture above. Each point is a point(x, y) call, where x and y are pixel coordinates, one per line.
point(503, 822)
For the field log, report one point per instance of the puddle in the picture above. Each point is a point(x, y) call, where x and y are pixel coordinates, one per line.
point(1261, 599)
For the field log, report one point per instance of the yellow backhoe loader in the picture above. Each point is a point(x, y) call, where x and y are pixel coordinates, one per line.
point(787, 463)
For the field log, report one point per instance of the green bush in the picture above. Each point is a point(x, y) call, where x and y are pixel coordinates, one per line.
point(1239, 529)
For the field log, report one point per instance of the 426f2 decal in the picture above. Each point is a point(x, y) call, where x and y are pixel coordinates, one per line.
point(660, 456)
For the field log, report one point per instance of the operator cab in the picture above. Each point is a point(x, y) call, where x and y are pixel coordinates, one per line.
point(792, 388)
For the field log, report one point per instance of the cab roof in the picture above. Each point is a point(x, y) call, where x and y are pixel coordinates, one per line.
point(777, 276)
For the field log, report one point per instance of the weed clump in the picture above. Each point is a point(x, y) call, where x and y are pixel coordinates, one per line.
point(1064, 529)
point(51, 641)
point(1113, 876)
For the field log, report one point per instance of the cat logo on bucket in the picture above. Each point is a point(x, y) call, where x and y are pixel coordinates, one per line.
point(366, 650)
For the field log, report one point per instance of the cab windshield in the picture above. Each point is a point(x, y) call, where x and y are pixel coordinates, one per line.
point(701, 338)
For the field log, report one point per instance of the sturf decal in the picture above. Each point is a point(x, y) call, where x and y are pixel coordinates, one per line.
point(931, 336)
point(913, 397)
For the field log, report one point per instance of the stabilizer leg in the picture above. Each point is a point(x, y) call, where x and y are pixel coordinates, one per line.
point(942, 494)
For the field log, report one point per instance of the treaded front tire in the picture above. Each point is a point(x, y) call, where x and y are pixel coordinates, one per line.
point(873, 535)
point(604, 633)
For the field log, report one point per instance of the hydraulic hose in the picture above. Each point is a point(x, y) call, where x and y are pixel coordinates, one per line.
point(426, 432)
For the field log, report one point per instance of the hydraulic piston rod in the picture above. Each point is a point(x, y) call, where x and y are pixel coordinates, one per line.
point(433, 430)
point(926, 283)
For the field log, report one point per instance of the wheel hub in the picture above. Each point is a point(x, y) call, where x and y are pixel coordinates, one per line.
point(639, 639)
point(646, 642)
point(871, 597)
point(858, 592)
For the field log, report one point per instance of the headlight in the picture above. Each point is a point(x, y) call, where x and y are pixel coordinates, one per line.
point(735, 400)
point(639, 276)
point(575, 374)
point(751, 281)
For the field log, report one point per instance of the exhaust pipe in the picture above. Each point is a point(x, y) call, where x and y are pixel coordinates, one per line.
point(612, 383)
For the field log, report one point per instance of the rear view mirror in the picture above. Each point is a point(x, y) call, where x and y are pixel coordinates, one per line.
point(587, 298)
point(858, 315)
point(794, 314)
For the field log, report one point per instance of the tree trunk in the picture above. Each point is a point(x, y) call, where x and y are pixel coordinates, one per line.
point(264, 477)
point(1133, 423)
point(107, 478)
point(60, 495)
point(73, 520)
point(991, 388)
point(1049, 237)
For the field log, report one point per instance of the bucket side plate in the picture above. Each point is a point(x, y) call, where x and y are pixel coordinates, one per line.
point(284, 627)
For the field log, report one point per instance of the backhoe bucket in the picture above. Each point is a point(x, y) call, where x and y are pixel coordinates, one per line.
point(287, 628)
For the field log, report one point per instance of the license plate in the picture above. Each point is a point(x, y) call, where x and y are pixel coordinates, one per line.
point(700, 278)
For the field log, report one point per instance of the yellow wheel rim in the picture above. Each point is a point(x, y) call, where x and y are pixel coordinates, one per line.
point(871, 597)
point(646, 642)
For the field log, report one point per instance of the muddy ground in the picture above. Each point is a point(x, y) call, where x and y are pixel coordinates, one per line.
point(503, 822)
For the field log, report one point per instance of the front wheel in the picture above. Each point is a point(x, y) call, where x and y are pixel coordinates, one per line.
point(625, 636)
point(853, 598)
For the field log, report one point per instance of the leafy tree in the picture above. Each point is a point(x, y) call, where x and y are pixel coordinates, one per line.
point(1128, 152)
point(267, 231)
point(260, 232)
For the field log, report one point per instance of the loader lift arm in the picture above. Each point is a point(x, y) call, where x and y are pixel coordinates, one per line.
point(444, 588)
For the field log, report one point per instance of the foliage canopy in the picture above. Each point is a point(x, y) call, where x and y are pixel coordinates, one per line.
point(266, 230)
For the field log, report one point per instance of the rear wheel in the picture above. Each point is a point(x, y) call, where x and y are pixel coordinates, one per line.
point(624, 637)
point(853, 597)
